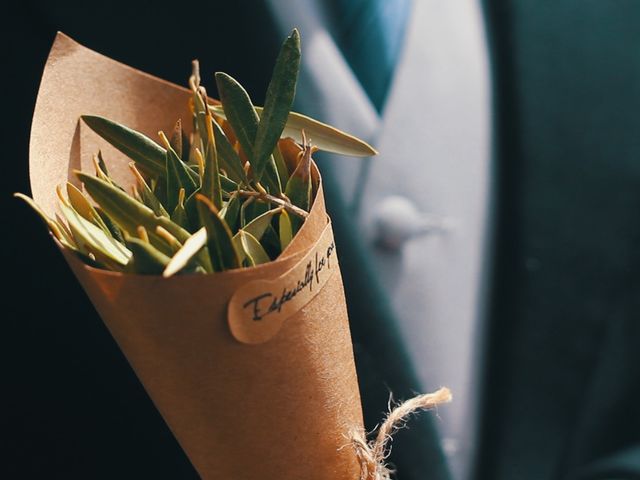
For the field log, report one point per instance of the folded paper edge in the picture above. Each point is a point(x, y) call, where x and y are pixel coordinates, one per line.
point(43, 191)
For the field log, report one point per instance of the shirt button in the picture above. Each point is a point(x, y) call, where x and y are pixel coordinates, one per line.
point(397, 219)
point(450, 446)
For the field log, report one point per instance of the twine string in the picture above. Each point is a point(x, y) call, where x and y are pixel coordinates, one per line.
point(372, 454)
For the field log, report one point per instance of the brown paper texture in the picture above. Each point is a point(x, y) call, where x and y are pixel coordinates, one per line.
point(280, 409)
point(258, 309)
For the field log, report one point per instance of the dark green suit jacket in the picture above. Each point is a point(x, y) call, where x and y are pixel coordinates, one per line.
point(563, 371)
point(562, 365)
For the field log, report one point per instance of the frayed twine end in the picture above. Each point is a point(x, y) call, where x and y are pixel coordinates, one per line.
point(372, 454)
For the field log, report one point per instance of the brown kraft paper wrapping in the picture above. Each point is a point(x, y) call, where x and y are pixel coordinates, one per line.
point(279, 409)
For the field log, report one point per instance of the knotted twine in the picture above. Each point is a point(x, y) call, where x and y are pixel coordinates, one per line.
point(373, 453)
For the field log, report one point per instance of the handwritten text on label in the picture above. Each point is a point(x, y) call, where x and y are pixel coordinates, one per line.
point(258, 309)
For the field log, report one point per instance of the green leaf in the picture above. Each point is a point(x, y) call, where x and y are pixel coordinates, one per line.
point(244, 210)
point(228, 157)
point(253, 210)
point(239, 111)
point(271, 179)
point(211, 187)
point(148, 197)
point(227, 184)
point(299, 188)
point(200, 118)
point(129, 213)
point(185, 256)
point(113, 228)
point(93, 239)
point(259, 225)
point(178, 176)
point(101, 163)
point(324, 136)
point(285, 230)
point(244, 121)
point(138, 147)
point(101, 171)
point(231, 211)
point(145, 259)
point(278, 101)
point(271, 241)
point(191, 208)
point(159, 189)
point(171, 241)
point(255, 253)
point(151, 201)
point(281, 165)
point(221, 250)
point(81, 204)
point(179, 215)
point(194, 172)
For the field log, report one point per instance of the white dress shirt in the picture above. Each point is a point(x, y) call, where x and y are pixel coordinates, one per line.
point(427, 195)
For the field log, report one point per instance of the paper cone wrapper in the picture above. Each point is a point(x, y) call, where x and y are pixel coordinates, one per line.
point(274, 397)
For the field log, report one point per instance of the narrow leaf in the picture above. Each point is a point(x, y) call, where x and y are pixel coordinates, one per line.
point(142, 234)
point(145, 259)
point(325, 137)
point(211, 178)
point(101, 172)
point(159, 189)
point(281, 165)
point(93, 239)
point(101, 163)
point(66, 233)
point(137, 146)
point(170, 240)
point(227, 184)
point(239, 111)
point(271, 179)
point(178, 176)
point(179, 215)
point(259, 225)
point(254, 251)
point(146, 194)
point(229, 159)
point(285, 230)
point(231, 211)
point(186, 254)
point(191, 209)
point(199, 164)
point(299, 188)
point(271, 241)
point(244, 218)
point(81, 204)
point(278, 101)
point(113, 228)
point(254, 209)
point(200, 111)
point(221, 251)
point(129, 213)
point(244, 120)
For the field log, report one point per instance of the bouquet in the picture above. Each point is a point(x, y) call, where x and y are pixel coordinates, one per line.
point(210, 257)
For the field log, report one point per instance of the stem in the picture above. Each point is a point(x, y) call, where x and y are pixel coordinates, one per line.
point(265, 197)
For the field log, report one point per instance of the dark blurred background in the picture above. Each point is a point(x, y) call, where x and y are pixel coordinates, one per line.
point(562, 377)
point(74, 408)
